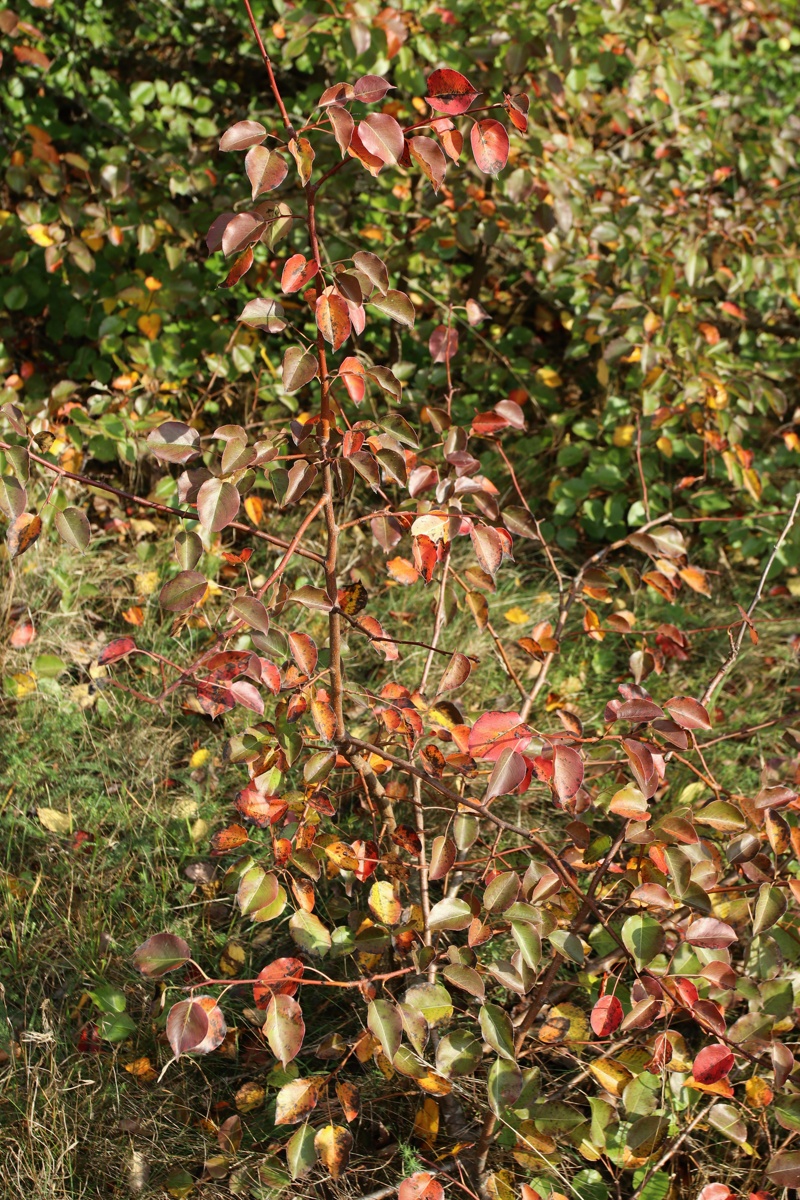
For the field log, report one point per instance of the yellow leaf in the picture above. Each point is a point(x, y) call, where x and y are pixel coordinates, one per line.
point(25, 683)
point(150, 325)
point(249, 1097)
point(55, 821)
point(199, 758)
point(623, 435)
point(146, 582)
point(200, 830)
point(549, 377)
point(384, 904)
point(332, 1144)
point(611, 1075)
point(254, 507)
point(665, 446)
point(634, 356)
point(342, 856)
point(39, 235)
point(517, 616)
point(231, 960)
point(152, 284)
point(426, 1122)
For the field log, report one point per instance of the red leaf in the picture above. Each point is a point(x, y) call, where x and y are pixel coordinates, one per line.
point(368, 856)
point(304, 652)
point(567, 772)
point(606, 1016)
point(420, 1186)
point(277, 979)
point(712, 1064)
point(22, 634)
point(115, 650)
point(710, 933)
point(333, 319)
point(688, 713)
point(382, 136)
point(351, 373)
point(297, 272)
point(450, 92)
point(495, 732)
point(406, 837)
point(443, 344)
point(490, 146)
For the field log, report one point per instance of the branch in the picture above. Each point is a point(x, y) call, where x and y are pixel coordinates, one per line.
point(185, 514)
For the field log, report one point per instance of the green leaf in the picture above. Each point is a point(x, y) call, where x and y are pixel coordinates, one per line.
point(642, 937)
point(497, 1030)
point(770, 907)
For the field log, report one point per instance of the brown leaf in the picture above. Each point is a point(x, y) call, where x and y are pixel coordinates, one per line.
point(22, 533)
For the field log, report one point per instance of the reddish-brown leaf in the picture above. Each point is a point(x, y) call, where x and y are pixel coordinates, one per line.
point(297, 272)
point(333, 318)
point(278, 978)
point(712, 1063)
point(116, 650)
point(22, 533)
point(224, 841)
point(450, 92)
point(490, 146)
point(606, 1016)
point(304, 652)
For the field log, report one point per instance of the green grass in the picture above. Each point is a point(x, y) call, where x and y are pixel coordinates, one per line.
point(76, 1125)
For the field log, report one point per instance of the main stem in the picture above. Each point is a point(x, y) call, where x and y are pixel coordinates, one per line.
point(332, 529)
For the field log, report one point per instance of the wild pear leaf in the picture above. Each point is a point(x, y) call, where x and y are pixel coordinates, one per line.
point(300, 1152)
point(420, 1186)
point(429, 158)
point(217, 504)
point(385, 1023)
point(284, 1028)
point(333, 1144)
point(382, 136)
point(297, 272)
point(73, 526)
point(688, 713)
point(242, 135)
point(299, 368)
point(568, 772)
point(187, 1026)
point(296, 1100)
point(13, 497)
point(443, 855)
point(397, 306)
point(712, 1064)
point(450, 913)
point(22, 533)
point(770, 907)
point(183, 591)
point(642, 937)
point(302, 152)
point(449, 92)
point(374, 268)
point(370, 89)
point(262, 313)
point(241, 231)
point(497, 1030)
point(490, 146)
point(333, 319)
point(266, 169)
point(161, 953)
point(174, 442)
point(710, 933)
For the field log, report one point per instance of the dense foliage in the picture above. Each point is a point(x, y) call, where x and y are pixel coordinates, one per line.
point(354, 321)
